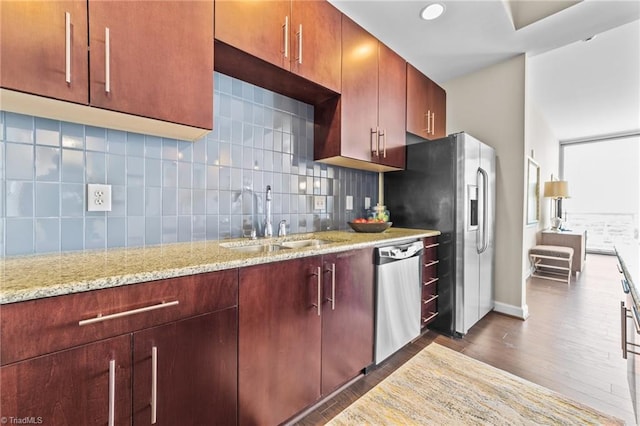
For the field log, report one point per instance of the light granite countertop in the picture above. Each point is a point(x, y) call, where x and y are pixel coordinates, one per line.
point(34, 277)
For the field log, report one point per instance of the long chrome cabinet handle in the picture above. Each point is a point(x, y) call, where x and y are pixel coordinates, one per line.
point(431, 281)
point(426, 115)
point(299, 34)
point(112, 392)
point(154, 385)
point(100, 317)
point(377, 144)
point(433, 123)
point(332, 299)
point(623, 329)
point(285, 30)
point(430, 317)
point(624, 314)
point(431, 299)
point(67, 47)
point(107, 61)
point(382, 133)
point(318, 273)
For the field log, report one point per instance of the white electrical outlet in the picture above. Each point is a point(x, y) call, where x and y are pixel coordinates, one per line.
point(349, 202)
point(367, 202)
point(319, 202)
point(98, 198)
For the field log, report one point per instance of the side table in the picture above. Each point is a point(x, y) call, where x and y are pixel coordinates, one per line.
point(574, 239)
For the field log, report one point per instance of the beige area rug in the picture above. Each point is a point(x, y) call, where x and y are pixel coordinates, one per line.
point(439, 386)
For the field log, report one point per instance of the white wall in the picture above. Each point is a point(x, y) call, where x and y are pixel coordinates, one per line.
point(543, 146)
point(490, 105)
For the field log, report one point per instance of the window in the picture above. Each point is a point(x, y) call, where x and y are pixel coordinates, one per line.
point(604, 185)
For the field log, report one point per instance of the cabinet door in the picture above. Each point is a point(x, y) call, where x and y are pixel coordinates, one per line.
point(316, 36)
point(417, 101)
point(256, 27)
point(439, 110)
point(359, 91)
point(195, 365)
point(279, 340)
point(71, 387)
point(347, 316)
point(161, 66)
point(392, 101)
point(34, 37)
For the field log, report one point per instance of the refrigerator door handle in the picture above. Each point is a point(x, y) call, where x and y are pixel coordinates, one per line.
point(482, 175)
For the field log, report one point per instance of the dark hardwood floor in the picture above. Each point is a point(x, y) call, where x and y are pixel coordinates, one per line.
point(570, 343)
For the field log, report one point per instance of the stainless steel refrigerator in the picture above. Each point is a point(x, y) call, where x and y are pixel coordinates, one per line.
point(449, 185)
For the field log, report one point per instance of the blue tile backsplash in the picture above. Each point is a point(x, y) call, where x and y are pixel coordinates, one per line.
point(167, 190)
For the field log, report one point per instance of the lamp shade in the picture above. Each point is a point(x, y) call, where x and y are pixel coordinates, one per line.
point(556, 189)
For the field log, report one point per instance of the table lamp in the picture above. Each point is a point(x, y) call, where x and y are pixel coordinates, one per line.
point(556, 190)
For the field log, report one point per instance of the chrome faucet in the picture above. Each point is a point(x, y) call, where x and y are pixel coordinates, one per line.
point(268, 228)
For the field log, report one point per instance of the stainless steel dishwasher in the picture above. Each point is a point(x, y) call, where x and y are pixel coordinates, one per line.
point(397, 297)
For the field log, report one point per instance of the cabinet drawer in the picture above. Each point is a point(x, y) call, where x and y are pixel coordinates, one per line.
point(42, 326)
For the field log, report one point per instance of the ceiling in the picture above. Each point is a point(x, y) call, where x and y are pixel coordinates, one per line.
point(584, 89)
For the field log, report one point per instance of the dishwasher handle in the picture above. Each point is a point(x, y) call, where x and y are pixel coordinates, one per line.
point(399, 252)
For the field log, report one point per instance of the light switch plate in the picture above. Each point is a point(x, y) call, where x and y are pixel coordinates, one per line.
point(367, 202)
point(319, 202)
point(98, 198)
point(349, 202)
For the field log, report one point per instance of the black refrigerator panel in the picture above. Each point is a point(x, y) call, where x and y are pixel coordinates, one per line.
point(423, 196)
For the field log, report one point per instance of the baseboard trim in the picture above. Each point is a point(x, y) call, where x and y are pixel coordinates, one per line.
point(521, 312)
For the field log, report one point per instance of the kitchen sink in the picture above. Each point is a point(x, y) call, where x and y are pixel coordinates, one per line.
point(256, 248)
point(268, 247)
point(305, 243)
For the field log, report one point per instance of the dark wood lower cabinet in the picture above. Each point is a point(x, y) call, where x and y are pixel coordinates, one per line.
point(302, 334)
point(70, 387)
point(196, 352)
point(195, 368)
point(279, 340)
point(347, 317)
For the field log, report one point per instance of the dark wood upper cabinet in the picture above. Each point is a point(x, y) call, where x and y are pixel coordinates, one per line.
point(392, 103)
point(365, 127)
point(298, 36)
point(153, 59)
point(347, 316)
point(34, 38)
point(360, 92)
point(316, 33)
point(426, 106)
point(255, 27)
point(136, 61)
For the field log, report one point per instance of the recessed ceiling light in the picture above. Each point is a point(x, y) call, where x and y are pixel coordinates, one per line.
point(432, 11)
